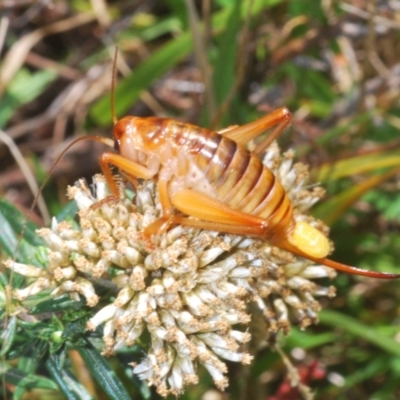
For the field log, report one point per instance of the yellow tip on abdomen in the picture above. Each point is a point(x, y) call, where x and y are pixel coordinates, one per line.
point(309, 240)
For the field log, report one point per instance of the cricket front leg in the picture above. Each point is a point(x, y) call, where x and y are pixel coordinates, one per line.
point(162, 224)
point(130, 167)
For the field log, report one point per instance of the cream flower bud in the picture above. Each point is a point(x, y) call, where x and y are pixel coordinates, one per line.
point(36, 287)
point(318, 271)
point(195, 305)
point(89, 248)
point(81, 199)
point(124, 296)
point(210, 255)
point(234, 356)
point(116, 258)
point(88, 232)
point(133, 256)
point(135, 332)
point(58, 259)
point(53, 240)
point(26, 270)
point(84, 287)
point(240, 272)
point(101, 186)
point(101, 267)
point(240, 337)
point(281, 309)
point(105, 314)
point(64, 273)
point(137, 278)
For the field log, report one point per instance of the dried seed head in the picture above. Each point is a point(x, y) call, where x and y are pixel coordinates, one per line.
point(188, 288)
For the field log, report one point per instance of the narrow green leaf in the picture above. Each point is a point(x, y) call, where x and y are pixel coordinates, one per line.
point(22, 348)
point(129, 89)
point(161, 61)
point(17, 94)
point(7, 336)
point(36, 81)
point(358, 165)
point(224, 65)
point(318, 87)
point(19, 378)
point(27, 364)
point(35, 381)
point(308, 340)
point(102, 373)
point(162, 27)
point(64, 303)
point(71, 388)
point(351, 325)
point(12, 222)
point(343, 128)
point(69, 211)
point(333, 209)
point(374, 367)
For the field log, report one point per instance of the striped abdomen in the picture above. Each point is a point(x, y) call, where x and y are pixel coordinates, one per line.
point(237, 176)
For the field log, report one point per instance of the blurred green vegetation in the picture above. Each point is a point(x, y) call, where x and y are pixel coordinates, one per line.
point(336, 65)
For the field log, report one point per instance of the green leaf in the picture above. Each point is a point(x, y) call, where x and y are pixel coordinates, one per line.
point(129, 89)
point(311, 85)
point(224, 65)
point(154, 29)
point(29, 381)
point(7, 336)
point(342, 129)
point(71, 388)
point(357, 165)
point(17, 93)
point(12, 222)
point(374, 367)
point(354, 327)
point(68, 212)
point(102, 373)
point(178, 9)
point(386, 203)
point(24, 345)
point(159, 63)
point(36, 82)
point(308, 340)
point(63, 303)
point(333, 209)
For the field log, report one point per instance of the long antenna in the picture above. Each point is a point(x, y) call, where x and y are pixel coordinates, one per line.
point(114, 78)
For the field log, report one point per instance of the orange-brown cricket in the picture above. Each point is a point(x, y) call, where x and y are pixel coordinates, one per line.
point(213, 177)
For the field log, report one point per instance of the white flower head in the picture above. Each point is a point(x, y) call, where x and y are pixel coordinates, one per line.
point(189, 289)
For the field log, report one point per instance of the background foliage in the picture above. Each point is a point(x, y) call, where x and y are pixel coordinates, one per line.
point(335, 64)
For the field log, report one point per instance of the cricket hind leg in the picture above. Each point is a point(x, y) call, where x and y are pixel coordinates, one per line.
point(214, 215)
point(211, 214)
point(279, 118)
